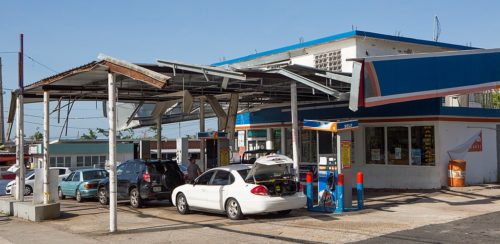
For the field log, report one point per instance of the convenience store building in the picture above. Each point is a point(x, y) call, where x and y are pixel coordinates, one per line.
point(420, 103)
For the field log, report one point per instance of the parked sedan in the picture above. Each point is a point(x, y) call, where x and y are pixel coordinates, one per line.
point(29, 183)
point(81, 184)
point(267, 186)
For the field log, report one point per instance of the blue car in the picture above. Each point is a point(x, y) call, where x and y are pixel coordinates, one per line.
point(81, 184)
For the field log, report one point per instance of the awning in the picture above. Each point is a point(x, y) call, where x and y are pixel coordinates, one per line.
point(401, 78)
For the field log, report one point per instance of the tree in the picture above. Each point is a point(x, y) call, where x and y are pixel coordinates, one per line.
point(38, 136)
point(129, 136)
point(120, 135)
point(90, 136)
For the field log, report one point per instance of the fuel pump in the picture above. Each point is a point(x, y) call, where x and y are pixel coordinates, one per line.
point(217, 148)
point(330, 196)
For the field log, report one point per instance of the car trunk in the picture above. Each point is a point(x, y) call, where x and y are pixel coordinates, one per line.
point(275, 172)
point(166, 174)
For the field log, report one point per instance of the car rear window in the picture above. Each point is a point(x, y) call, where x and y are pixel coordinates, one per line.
point(94, 175)
point(155, 168)
point(243, 173)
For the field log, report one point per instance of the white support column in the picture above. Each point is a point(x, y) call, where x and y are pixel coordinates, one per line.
point(283, 140)
point(269, 139)
point(158, 137)
point(47, 198)
point(295, 126)
point(20, 148)
point(202, 129)
point(112, 151)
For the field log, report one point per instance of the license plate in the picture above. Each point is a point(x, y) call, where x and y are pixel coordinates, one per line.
point(156, 188)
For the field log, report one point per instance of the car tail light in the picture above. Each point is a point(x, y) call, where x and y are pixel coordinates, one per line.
point(300, 187)
point(89, 186)
point(146, 176)
point(259, 190)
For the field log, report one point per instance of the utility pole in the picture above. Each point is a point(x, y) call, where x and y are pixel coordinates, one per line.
point(20, 128)
point(2, 128)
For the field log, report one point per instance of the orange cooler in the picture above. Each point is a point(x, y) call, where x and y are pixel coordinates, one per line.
point(456, 173)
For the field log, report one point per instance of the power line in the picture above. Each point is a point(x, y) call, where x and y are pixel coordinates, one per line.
point(39, 63)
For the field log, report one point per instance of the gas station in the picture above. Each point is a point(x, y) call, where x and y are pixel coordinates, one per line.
point(285, 94)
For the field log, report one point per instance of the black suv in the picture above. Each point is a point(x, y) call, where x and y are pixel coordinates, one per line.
point(140, 181)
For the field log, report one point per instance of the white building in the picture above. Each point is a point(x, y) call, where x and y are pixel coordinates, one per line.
point(398, 145)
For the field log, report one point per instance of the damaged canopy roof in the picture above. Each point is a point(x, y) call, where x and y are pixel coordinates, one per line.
point(173, 89)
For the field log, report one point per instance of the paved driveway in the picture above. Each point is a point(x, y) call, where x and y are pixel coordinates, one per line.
point(387, 214)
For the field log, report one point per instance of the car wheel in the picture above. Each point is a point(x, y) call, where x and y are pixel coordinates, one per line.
point(284, 212)
point(103, 196)
point(182, 205)
point(78, 196)
point(60, 193)
point(233, 209)
point(27, 190)
point(135, 198)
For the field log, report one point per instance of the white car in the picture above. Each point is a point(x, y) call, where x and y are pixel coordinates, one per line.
point(29, 181)
point(267, 186)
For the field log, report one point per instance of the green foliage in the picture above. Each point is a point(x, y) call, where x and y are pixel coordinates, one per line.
point(38, 136)
point(90, 136)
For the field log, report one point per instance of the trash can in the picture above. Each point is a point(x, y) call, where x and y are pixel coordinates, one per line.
point(456, 173)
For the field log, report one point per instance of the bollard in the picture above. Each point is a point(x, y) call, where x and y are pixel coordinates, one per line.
point(359, 190)
point(309, 190)
point(340, 194)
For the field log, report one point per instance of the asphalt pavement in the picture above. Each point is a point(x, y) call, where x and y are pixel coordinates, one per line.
point(478, 229)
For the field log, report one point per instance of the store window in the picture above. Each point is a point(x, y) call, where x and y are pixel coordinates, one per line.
point(397, 145)
point(406, 145)
point(422, 144)
point(375, 145)
point(79, 161)
point(52, 162)
point(60, 162)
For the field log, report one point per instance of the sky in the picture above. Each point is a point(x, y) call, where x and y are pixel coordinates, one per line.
point(61, 35)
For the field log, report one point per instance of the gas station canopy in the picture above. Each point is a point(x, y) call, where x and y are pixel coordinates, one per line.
point(173, 89)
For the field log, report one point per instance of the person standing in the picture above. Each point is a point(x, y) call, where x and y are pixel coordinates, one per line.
point(193, 170)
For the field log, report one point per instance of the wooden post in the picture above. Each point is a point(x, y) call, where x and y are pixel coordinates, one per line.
point(112, 151)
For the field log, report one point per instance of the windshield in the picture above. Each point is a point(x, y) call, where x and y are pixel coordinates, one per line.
point(269, 172)
point(94, 175)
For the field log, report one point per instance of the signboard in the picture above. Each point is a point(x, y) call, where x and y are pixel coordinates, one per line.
point(330, 126)
point(212, 135)
point(345, 154)
point(241, 138)
point(477, 146)
point(347, 125)
point(35, 149)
